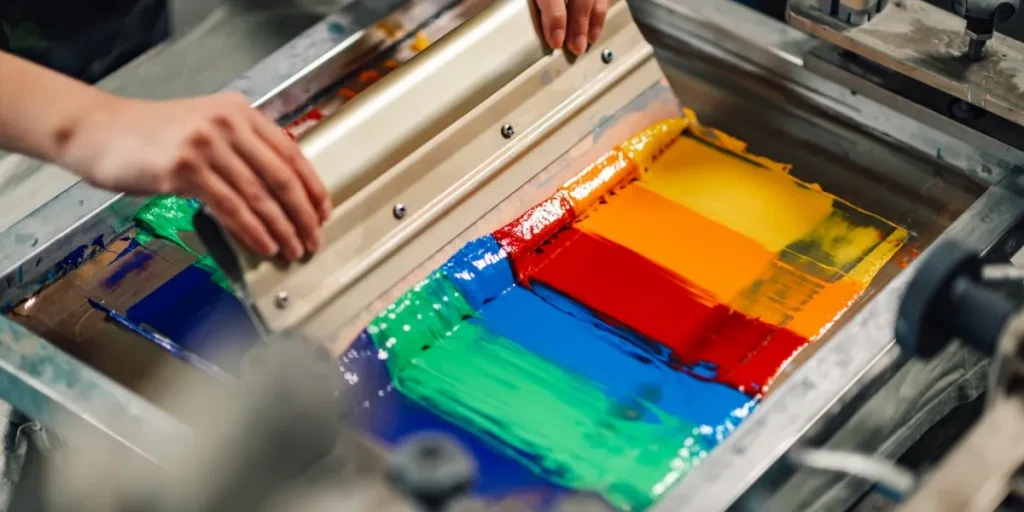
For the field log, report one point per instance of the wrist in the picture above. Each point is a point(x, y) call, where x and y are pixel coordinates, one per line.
point(76, 133)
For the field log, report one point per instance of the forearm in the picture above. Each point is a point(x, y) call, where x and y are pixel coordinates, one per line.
point(40, 110)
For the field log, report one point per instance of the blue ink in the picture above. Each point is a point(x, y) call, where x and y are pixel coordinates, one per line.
point(200, 316)
point(481, 271)
point(389, 416)
point(137, 260)
point(625, 371)
point(132, 245)
point(162, 342)
point(567, 334)
point(73, 260)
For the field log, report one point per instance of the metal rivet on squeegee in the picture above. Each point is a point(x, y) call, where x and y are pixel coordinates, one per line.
point(398, 211)
point(507, 131)
point(281, 300)
point(607, 56)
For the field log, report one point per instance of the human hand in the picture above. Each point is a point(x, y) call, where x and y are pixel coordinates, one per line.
point(575, 23)
point(238, 163)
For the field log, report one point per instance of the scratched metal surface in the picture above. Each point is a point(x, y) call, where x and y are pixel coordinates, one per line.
point(927, 43)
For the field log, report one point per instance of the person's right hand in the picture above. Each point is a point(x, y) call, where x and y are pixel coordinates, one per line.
point(575, 23)
point(238, 163)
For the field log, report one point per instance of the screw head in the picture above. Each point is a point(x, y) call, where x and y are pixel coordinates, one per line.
point(507, 131)
point(607, 55)
point(281, 300)
point(399, 210)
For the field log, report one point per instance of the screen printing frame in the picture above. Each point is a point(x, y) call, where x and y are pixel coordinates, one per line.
point(54, 388)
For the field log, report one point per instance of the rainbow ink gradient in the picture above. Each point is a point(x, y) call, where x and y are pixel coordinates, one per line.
point(614, 334)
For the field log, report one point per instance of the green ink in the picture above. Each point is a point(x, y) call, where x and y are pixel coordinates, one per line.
point(166, 217)
point(557, 423)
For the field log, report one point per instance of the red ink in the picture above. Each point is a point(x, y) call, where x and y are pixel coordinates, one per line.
point(631, 290)
point(623, 286)
point(313, 115)
point(908, 259)
point(746, 353)
point(521, 236)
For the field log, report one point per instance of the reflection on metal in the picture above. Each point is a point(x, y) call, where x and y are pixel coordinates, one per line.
point(896, 479)
point(928, 44)
point(314, 61)
point(399, 211)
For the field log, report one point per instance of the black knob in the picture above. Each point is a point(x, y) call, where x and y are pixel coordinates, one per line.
point(432, 469)
point(946, 300)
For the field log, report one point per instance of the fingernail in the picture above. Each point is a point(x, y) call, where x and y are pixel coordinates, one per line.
point(315, 242)
point(326, 208)
point(578, 45)
point(270, 249)
point(294, 251)
point(557, 38)
point(594, 36)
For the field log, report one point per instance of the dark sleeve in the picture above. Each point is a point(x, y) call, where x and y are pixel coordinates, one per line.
point(82, 38)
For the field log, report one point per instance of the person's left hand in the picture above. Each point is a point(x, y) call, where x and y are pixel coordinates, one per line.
point(574, 23)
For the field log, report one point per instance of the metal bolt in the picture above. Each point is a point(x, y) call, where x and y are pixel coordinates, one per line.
point(399, 211)
point(507, 131)
point(976, 49)
point(281, 300)
point(607, 55)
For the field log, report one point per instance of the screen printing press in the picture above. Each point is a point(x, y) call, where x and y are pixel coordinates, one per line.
point(435, 123)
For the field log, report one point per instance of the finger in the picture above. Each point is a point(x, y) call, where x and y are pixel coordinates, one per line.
point(552, 20)
point(579, 24)
point(284, 184)
point(251, 188)
point(287, 149)
point(232, 212)
point(597, 17)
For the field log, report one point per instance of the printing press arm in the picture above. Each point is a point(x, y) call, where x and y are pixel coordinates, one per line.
point(949, 299)
point(982, 17)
